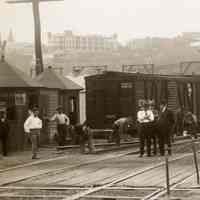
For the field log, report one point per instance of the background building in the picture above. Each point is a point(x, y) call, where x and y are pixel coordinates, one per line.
point(70, 41)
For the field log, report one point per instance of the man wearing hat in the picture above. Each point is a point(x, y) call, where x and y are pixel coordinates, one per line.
point(4, 130)
point(62, 122)
point(32, 126)
point(154, 132)
point(144, 118)
point(165, 127)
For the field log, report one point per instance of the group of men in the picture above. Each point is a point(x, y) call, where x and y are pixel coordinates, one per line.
point(33, 126)
point(155, 126)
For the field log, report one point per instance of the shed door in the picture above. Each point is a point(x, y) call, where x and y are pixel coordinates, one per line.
point(126, 99)
point(44, 107)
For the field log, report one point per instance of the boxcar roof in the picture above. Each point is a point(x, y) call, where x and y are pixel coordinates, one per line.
point(122, 75)
point(50, 79)
point(11, 77)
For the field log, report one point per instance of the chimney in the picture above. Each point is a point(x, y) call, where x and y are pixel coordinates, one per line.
point(2, 58)
point(3, 46)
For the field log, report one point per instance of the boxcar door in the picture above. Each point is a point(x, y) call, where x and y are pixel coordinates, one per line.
point(126, 99)
point(99, 108)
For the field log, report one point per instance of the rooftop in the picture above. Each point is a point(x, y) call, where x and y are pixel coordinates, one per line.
point(11, 76)
point(51, 79)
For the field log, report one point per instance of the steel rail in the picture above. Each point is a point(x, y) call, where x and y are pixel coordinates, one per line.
point(59, 170)
point(118, 180)
point(63, 157)
point(91, 190)
point(164, 190)
point(55, 159)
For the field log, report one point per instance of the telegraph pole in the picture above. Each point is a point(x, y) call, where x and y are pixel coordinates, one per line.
point(39, 68)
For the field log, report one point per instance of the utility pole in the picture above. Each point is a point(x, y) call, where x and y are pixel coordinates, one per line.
point(39, 68)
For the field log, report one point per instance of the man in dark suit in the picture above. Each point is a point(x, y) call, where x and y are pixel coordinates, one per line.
point(165, 127)
point(4, 130)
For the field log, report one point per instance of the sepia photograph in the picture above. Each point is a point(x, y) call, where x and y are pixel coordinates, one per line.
point(99, 100)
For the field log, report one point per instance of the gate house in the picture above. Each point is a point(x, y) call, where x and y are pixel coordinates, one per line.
point(115, 94)
point(17, 93)
point(58, 90)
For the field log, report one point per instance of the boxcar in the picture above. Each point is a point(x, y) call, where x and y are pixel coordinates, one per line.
point(115, 94)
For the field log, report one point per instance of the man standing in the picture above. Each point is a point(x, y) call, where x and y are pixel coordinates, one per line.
point(4, 130)
point(32, 126)
point(144, 118)
point(165, 127)
point(179, 120)
point(62, 123)
point(154, 132)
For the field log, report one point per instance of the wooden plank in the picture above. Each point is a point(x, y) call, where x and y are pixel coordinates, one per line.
point(60, 177)
point(80, 181)
point(111, 197)
point(41, 188)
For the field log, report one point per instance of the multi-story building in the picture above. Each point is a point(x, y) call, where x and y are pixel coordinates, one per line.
point(149, 43)
point(70, 41)
point(192, 36)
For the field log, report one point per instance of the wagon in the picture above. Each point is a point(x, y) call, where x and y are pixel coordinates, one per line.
point(111, 95)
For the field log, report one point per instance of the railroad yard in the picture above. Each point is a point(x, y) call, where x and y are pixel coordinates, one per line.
point(111, 173)
point(99, 112)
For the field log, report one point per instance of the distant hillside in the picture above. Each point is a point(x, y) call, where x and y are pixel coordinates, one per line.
point(165, 58)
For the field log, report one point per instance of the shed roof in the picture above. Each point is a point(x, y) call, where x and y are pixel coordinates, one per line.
point(12, 77)
point(51, 79)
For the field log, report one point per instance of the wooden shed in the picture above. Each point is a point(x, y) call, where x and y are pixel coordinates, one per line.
point(58, 90)
point(115, 94)
point(17, 93)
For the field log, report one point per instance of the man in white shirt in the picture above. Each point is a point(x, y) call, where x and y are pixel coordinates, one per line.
point(144, 118)
point(32, 126)
point(62, 123)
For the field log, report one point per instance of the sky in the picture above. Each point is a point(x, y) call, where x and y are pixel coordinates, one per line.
point(128, 18)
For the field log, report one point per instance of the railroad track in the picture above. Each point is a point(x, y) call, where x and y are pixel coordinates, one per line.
point(157, 192)
point(98, 192)
point(127, 152)
point(108, 191)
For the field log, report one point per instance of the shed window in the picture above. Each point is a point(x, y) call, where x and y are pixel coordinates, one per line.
point(7, 105)
point(20, 99)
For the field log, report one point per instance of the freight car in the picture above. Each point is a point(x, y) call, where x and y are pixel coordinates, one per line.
point(115, 94)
